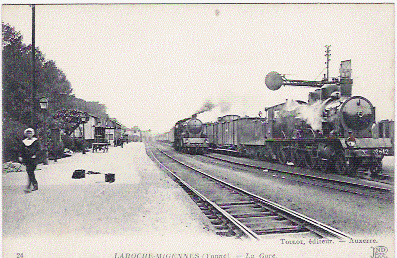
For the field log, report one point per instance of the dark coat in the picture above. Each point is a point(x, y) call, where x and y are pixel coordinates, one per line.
point(27, 151)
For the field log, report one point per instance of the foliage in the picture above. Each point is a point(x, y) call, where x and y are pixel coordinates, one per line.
point(70, 119)
point(74, 144)
point(19, 111)
point(68, 142)
point(12, 135)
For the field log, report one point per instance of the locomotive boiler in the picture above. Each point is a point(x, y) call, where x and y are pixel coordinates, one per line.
point(189, 136)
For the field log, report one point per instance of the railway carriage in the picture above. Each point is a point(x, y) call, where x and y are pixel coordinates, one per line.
point(383, 129)
point(251, 136)
point(209, 131)
point(225, 131)
point(167, 137)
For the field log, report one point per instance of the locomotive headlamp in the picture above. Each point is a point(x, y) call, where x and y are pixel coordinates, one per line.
point(351, 140)
point(351, 143)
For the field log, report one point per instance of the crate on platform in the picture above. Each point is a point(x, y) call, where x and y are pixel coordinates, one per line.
point(78, 173)
point(109, 178)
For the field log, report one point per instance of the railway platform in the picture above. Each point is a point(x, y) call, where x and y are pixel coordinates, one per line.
point(142, 207)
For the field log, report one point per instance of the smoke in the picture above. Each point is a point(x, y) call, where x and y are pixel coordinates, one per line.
point(225, 106)
point(311, 114)
point(212, 111)
point(207, 106)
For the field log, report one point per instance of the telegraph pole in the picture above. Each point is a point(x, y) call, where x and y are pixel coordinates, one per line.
point(33, 92)
point(328, 54)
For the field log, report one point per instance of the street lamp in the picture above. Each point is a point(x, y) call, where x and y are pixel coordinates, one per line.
point(44, 103)
point(83, 120)
point(44, 106)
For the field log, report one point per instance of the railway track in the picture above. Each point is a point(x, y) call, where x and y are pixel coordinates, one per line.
point(239, 213)
point(336, 184)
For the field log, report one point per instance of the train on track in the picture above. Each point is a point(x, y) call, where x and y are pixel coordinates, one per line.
point(189, 136)
point(331, 132)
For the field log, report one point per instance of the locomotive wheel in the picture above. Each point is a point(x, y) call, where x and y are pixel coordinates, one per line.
point(376, 169)
point(340, 164)
point(294, 157)
point(323, 165)
point(282, 156)
point(352, 169)
point(310, 160)
point(268, 154)
point(299, 158)
point(258, 155)
point(352, 172)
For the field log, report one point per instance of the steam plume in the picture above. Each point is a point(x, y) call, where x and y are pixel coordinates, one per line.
point(311, 114)
point(225, 106)
point(207, 106)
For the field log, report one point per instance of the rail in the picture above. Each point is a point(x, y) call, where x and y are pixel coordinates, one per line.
point(302, 223)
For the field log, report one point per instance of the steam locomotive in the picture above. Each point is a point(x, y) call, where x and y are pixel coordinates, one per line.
point(188, 136)
point(330, 132)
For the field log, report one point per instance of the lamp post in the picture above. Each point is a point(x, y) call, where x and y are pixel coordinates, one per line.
point(83, 120)
point(44, 106)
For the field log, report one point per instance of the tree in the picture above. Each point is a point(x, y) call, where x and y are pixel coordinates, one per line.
point(16, 76)
point(51, 82)
point(69, 119)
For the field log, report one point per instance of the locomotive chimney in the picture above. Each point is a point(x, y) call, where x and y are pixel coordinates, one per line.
point(346, 83)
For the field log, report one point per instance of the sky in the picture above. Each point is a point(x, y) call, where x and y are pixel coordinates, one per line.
point(154, 64)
